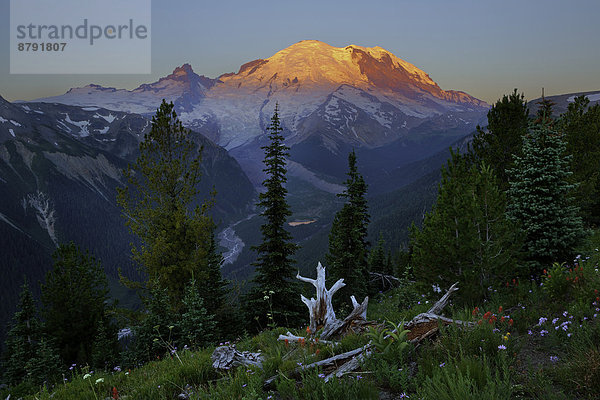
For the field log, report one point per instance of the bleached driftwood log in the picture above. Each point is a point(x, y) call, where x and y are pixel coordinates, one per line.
point(290, 337)
point(226, 357)
point(433, 314)
point(423, 326)
point(321, 310)
point(331, 366)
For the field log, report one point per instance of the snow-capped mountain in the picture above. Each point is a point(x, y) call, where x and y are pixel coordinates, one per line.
point(366, 96)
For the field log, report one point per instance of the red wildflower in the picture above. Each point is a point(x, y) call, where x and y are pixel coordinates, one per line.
point(115, 393)
point(545, 272)
point(475, 311)
point(287, 343)
point(308, 330)
point(502, 319)
point(510, 322)
point(479, 322)
point(487, 315)
point(500, 309)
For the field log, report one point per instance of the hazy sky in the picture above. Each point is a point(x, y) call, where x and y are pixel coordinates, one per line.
point(485, 48)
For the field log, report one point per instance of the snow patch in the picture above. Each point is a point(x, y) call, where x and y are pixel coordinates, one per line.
point(12, 132)
point(110, 118)
point(103, 130)
point(15, 123)
point(26, 108)
point(90, 108)
point(3, 120)
point(83, 126)
point(591, 97)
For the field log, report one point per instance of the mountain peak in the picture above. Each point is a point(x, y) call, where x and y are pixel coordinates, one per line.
point(312, 63)
point(184, 70)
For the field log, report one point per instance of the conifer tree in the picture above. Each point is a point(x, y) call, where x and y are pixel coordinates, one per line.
point(348, 245)
point(379, 262)
point(539, 191)
point(216, 296)
point(75, 300)
point(174, 236)
point(581, 125)
point(274, 296)
point(24, 334)
point(159, 325)
point(466, 237)
point(507, 124)
point(196, 326)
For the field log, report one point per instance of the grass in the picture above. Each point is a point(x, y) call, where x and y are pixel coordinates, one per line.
point(537, 346)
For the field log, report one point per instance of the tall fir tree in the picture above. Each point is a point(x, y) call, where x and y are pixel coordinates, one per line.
point(274, 296)
point(348, 245)
point(75, 302)
point(539, 191)
point(466, 237)
point(581, 125)
point(507, 124)
point(157, 204)
point(24, 333)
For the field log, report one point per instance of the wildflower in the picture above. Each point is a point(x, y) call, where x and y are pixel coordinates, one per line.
point(244, 385)
point(308, 330)
point(569, 334)
point(505, 337)
point(442, 365)
point(117, 369)
point(529, 332)
point(287, 342)
point(475, 311)
point(487, 315)
point(86, 376)
point(358, 377)
point(553, 358)
point(403, 395)
point(321, 375)
point(510, 322)
point(99, 380)
point(543, 332)
point(500, 309)
point(502, 347)
point(115, 393)
point(542, 320)
point(554, 321)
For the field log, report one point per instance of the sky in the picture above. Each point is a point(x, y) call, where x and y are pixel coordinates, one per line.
point(485, 48)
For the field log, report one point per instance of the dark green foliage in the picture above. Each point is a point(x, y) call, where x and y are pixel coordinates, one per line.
point(216, 299)
point(196, 325)
point(347, 255)
point(22, 338)
point(75, 299)
point(174, 240)
point(45, 366)
point(581, 125)
point(507, 124)
point(105, 352)
point(540, 200)
point(155, 329)
point(466, 237)
point(274, 266)
point(380, 262)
